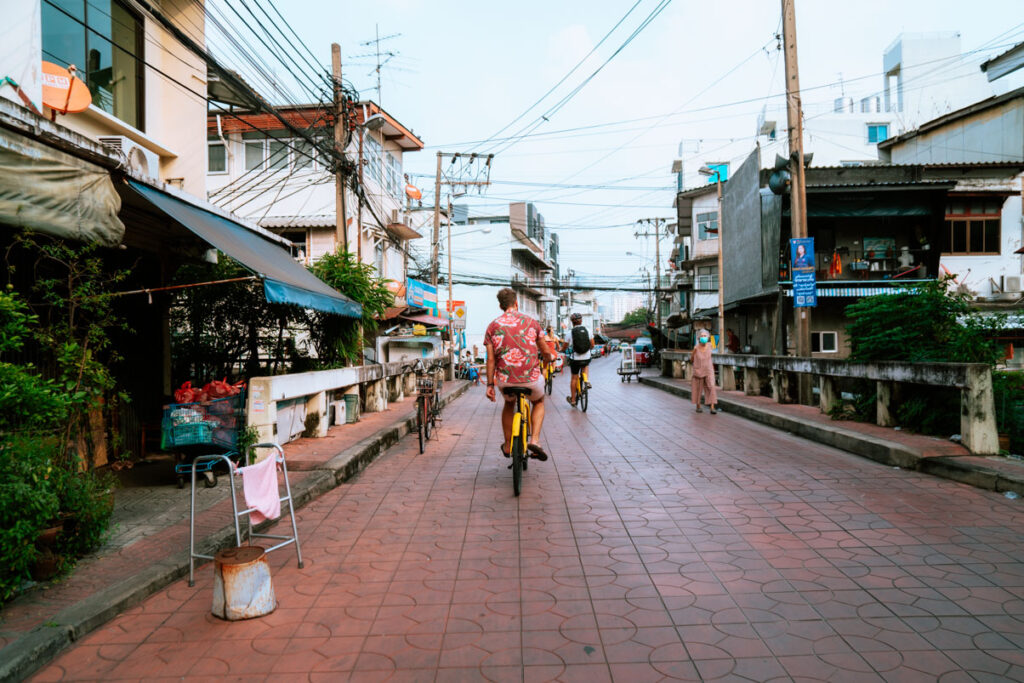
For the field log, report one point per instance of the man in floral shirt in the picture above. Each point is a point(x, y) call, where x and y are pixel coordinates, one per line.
point(513, 342)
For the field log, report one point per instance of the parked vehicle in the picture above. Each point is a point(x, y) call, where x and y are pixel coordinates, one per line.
point(614, 345)
point(644, 349)
point(598, 350)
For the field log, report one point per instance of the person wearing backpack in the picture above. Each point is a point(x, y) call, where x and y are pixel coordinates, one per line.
point(580, 343)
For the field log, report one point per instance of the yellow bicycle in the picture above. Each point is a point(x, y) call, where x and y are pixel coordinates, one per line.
point(522, 422)
point(582, 395)
point(549, 377)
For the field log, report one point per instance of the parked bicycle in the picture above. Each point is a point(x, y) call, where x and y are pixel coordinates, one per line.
point(428, 400)
point(522, 429)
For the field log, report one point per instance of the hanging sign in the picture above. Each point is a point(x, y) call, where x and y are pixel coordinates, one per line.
point(805, 292)
point(458, 314)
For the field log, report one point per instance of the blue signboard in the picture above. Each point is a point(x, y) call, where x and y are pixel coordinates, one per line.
point(805, 291)
point(421, 294)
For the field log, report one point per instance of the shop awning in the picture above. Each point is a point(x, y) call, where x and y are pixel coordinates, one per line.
point(428, 320)
point(46, 190)
point(285, 281)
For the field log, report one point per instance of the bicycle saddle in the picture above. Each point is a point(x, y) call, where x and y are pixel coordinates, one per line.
point(515, 391)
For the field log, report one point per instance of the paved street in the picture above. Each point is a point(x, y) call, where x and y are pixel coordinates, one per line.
point(657, 543)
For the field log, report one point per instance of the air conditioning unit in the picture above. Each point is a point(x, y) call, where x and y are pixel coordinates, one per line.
point(1011, 284)
point(136, 157)
point(396, 216)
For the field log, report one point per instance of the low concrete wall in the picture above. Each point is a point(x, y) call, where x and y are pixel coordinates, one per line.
point(977, 400)
point(380, 383)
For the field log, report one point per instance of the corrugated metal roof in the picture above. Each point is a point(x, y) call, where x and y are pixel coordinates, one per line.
point(319, 221)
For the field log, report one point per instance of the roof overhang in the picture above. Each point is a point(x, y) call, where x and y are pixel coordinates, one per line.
point(392, 130)
point(402, 232)
point(1004, 64)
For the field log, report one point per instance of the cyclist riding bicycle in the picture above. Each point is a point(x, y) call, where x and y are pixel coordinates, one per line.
point(554, 342)
point(580, 342)
point(513, 341)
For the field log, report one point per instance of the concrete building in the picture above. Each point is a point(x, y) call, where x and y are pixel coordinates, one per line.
point(624, 303)
point(875, 228)
point(260, 171)
point(126, 172)
point(513, 249)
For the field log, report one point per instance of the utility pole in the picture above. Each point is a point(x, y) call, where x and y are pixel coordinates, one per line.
point(798, 187)
point(451, 310)
point(340, 138)
point(434, 243)
point(440, 180)
point(657, 223)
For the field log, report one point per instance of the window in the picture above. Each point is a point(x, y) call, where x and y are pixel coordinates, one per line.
point(394, 171)
point(271, 150)
point(824, 342)
point(254, 142)
point(217, 158)
point(103, 40)
point(707, 226)
point(878, 132)
point(302, 155)
point(707, 278)
point(972, 226)
point(372, 154)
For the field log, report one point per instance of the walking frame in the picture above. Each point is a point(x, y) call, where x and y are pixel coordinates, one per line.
point(250, 534)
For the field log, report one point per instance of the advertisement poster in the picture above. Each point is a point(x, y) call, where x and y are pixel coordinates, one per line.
point(805, 291)
point(423, 295)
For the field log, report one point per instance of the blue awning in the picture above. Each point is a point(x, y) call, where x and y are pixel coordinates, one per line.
point(284, 280)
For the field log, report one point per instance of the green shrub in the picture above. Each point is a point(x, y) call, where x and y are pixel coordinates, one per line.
point(28, 504)
point(86, 499)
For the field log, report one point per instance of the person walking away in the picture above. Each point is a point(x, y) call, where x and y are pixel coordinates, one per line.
point(514, 342)
point(581, 342)
point(703, 373)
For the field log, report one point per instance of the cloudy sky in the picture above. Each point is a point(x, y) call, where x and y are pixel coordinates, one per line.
point(466, 69)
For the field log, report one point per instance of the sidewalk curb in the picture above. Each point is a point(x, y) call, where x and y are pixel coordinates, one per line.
point(880, 450)
point(31, 652)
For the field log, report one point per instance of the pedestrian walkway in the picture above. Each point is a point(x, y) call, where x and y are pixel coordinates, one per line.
point(149, 532)
point(656, 543)
point(890, 446)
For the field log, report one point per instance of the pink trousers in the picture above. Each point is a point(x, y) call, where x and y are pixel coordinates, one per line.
point(706, 386)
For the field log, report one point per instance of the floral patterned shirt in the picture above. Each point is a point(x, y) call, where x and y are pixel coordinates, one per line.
point(513, 336)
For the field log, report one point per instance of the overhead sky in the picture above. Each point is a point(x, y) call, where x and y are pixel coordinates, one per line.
point(464, 70)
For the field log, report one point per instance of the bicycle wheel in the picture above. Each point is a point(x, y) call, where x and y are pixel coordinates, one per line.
point(549, 382)
point(518, 457)
point(420, 422)
point(583, 395)
point(427, 419)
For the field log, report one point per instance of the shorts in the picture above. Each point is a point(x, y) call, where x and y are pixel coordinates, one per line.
point(576, 365)
point(536, 393)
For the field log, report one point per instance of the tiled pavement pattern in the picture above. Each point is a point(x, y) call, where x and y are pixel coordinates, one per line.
point(150, 523)
point(657, 544)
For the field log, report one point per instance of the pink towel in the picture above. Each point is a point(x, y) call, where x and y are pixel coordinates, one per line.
point(259, 484)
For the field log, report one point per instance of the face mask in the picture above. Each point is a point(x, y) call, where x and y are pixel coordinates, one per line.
point(703, 340)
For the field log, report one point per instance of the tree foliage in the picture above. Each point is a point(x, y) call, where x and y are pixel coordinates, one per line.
point(639, 316)
point(218, 328)
point(928, 322)
point(339, 340)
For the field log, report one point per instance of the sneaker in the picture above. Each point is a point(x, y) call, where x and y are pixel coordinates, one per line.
point(699, 409)
point(589, 385)
point(570, 401)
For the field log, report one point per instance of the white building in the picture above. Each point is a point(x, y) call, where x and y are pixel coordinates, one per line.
point(259, 171)
point(491, 252)
point(624, 303)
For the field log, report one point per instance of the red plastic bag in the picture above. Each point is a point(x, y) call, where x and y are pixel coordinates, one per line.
point(184, 394)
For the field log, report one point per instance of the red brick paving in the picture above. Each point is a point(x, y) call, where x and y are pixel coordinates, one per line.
point(656, 544)
point(101, 571)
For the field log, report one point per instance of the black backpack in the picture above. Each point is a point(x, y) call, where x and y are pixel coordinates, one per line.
point(580, 339)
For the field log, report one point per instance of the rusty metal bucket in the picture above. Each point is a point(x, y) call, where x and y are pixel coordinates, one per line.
point(242, 587)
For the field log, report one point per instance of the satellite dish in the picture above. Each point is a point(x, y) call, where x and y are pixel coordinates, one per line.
point(63, 91)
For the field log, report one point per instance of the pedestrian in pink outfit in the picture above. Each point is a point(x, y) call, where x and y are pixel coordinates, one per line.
point(703, 381)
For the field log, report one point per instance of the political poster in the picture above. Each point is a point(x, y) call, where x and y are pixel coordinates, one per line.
point(805, 285)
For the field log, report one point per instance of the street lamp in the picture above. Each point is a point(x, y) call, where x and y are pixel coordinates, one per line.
point(717, 173)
